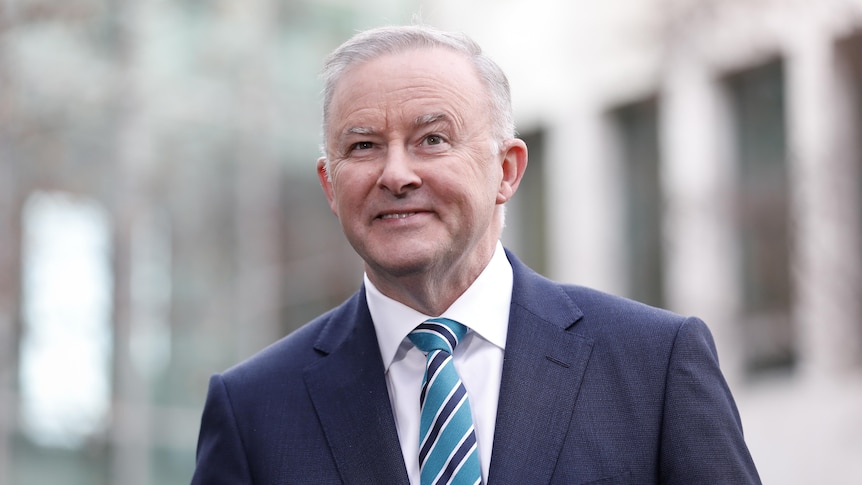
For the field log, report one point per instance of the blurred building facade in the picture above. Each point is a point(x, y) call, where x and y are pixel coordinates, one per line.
point(160, 218)
point(706, 156)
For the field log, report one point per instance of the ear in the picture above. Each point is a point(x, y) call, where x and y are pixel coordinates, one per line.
point(326, 183)
point(514, 164)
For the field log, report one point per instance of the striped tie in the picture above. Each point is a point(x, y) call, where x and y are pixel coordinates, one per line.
point(447, 440)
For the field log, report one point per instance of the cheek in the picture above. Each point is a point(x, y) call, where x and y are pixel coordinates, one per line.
point(351, 187)
point(471, 195)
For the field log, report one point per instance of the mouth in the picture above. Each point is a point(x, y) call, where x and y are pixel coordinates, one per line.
point(397, 215)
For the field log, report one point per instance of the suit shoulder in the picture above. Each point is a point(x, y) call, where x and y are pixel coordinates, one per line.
point(603, 310)
point(592, 309)
point(590, 299)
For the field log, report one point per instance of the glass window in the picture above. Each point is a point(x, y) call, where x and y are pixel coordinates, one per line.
point(850, 65)
point(850, 55)
point(66, 342)
point(637, 129)
point(762, 214)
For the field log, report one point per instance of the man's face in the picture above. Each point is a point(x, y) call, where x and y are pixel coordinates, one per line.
point(414, 177)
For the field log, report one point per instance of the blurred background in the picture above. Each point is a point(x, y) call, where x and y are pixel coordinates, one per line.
point(160, 218)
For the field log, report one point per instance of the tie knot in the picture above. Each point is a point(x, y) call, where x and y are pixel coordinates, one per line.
point(437, 334)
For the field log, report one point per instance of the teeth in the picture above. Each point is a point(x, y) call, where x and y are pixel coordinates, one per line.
point(397, 216)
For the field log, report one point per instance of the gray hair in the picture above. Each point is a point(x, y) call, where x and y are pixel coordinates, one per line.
point(374, 43)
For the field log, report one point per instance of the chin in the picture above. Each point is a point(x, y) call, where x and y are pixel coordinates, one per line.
point(401, 262)
point(400, 267)
point(402, 256)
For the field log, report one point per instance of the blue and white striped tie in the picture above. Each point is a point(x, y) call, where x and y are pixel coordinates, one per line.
point(447, 439)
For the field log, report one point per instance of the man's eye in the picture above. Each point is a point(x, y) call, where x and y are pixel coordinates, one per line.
point(433, 139)
point(362, 145)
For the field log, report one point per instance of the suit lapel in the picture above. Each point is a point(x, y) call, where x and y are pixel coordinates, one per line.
point(348, 389)
point(542, 372)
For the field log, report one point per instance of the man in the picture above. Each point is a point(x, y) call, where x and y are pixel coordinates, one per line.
point(555, 383)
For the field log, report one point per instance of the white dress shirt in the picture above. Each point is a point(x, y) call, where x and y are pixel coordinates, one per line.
point(484, 309)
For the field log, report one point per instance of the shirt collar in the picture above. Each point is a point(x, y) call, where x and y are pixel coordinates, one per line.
point(484, 308)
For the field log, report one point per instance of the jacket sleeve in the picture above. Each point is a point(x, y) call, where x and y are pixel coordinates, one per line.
point(221, 458)
point(702, 440)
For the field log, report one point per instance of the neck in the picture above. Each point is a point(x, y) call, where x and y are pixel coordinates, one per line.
point(432, 292)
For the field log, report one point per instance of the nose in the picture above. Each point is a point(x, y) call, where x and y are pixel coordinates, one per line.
point(398, 175)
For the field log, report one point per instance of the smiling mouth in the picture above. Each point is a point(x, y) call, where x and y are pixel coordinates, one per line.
point(402, 215)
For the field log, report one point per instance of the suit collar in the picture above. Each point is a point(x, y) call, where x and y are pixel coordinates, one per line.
point(543, 368)
point(348, 390)
point(544, 364)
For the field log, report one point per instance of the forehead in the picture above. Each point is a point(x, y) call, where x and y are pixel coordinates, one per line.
point(413, 83)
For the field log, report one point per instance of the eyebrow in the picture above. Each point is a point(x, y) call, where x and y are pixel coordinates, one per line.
point(430, 119)
point(420, 121)
point(358, 130)
point(353, 131)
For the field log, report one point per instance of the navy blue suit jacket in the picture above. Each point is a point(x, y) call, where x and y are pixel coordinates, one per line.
point(595, 389)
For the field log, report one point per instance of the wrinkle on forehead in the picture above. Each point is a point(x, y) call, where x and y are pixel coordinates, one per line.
point(419, 122)
point(397, 92)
